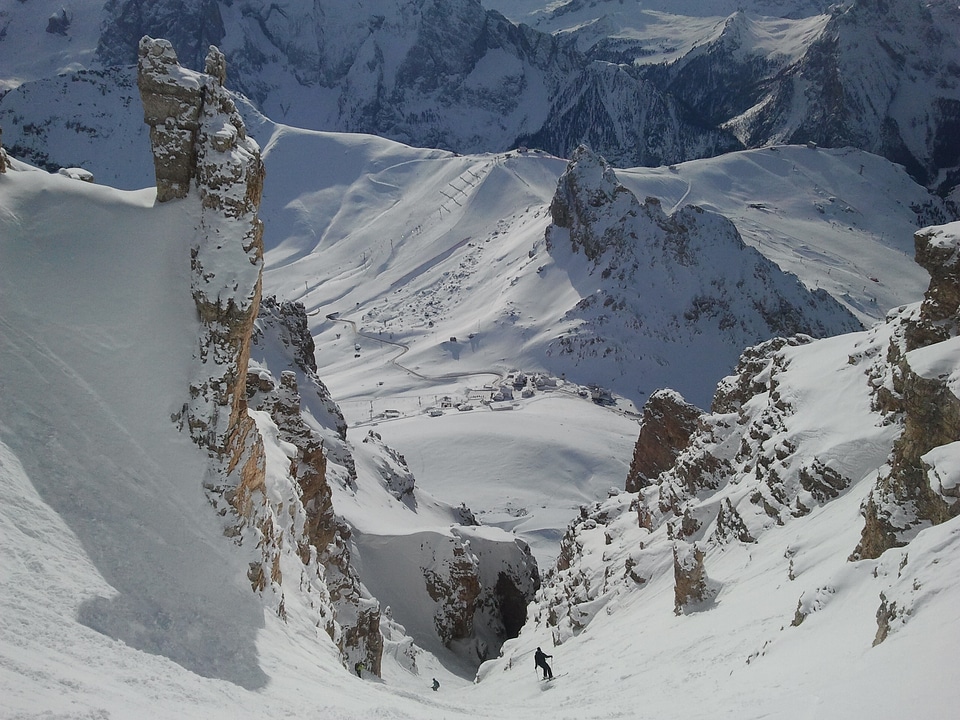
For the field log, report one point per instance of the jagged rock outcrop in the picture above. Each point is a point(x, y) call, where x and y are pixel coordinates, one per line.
point(476, 582)
point(285, 323)
point(939, 320)
point(666, 426)
point(393, 469)
point(318, 458)
point(481, 588)
point(59, 23)
point(747, 466)
point(645, 270)
point(692, 588)
point(801, 425)
point(455, 586)
point(197, 136)
point(909, 495)
point(200, 146)
point(198, 140)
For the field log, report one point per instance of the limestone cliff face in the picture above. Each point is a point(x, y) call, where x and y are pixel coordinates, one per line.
point(480, 588)
point(314, 460)
point(908, 497)
point(298, 544)
point(455, 585)
point(198, 139)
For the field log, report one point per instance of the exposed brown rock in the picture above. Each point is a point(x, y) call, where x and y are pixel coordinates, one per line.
point(887, 613)
point(940, 311)
point(665, 430)
point(171, 107)
point(730, 525)
point(325, 536)
point(197, 135)
point(457, 590)
point(904, 498)
point(691, 585)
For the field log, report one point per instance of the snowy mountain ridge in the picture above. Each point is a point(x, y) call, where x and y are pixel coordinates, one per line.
point(641, 85)
point(683, 280)
point(806, 437)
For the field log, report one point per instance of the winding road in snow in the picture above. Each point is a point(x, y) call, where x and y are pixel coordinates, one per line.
point(500, 375)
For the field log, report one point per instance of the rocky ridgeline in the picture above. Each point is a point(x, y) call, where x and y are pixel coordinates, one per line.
point(879, 76)
point(700, 482)
point(912, 494)
point(654, 282)
point(317, 457)
point(491, 84)
point(200, 146)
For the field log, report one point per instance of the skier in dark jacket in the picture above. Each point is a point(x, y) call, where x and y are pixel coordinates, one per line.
point(540, 658)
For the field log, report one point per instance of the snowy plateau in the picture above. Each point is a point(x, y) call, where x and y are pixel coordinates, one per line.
point(339, 396)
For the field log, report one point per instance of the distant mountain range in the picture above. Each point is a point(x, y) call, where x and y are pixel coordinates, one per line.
point(640, 86)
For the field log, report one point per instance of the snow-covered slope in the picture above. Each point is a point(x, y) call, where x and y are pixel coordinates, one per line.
point(418, 247)
point(97, 343)
point(105, 524)
point(33, 47)
point(762, 523)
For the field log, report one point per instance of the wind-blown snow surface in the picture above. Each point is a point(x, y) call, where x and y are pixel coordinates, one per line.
point(104, 523)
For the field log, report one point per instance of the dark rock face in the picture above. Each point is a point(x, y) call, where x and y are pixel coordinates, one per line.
point(849, 86)
point(881, 77)
point(489, 84)
point(628, 119)
point(907, 496)
point(59, 23)
point(190, 25)
point(665, 429)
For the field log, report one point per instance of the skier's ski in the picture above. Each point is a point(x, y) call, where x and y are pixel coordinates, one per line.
point(552, 678)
